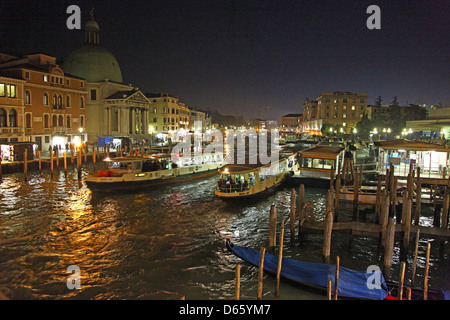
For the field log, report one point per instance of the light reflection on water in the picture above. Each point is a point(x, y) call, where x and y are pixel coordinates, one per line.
point(156, 244)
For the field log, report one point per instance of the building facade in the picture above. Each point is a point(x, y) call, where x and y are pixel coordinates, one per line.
point(292, 123)
point(338, 111)
point(115, 110)
point(53, 102)
point(12, 110)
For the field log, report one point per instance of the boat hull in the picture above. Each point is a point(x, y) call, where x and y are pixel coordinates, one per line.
point(252, 193)
point(117, 185)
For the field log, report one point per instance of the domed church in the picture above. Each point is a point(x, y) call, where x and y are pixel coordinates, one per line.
point(114, 110)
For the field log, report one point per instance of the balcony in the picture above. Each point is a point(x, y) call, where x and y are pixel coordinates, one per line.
point(59, 130)
point(11, 130)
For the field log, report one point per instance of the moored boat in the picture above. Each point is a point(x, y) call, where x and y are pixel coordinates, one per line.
point(319, 163)
point(253, 180)
point(134, 172)
point(351, 284)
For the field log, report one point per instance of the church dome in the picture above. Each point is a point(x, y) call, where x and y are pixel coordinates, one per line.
point(91, 61)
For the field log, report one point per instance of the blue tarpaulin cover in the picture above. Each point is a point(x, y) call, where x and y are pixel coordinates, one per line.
point(351, 284)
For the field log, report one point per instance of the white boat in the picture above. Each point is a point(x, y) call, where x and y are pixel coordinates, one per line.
point(145, 171)
point(252, 180)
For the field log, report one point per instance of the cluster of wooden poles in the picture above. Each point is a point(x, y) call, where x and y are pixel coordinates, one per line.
point(385, 228)
point(55, 158)
point(76, 154)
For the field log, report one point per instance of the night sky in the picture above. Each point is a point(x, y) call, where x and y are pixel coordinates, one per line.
point(236, 56)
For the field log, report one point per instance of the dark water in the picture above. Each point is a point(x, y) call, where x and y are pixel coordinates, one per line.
point(157, 244)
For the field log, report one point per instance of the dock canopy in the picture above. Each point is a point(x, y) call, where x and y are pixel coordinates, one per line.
point(322, 152)
point(409, 145)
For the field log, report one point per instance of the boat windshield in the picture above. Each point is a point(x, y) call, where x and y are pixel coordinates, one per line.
point(316, 163)
point(125, 165)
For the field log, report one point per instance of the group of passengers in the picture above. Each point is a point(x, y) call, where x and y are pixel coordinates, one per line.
point(229, 185)
point(153, 165)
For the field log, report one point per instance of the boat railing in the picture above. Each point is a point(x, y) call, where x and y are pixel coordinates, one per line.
point(232, 187)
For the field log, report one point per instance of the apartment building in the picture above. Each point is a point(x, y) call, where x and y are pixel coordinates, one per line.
point(340, 111)
point(49, 105)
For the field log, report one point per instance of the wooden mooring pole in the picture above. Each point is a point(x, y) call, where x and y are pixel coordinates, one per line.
point(401, 280)
point(328, 229)
point(237, 281)
point(39, 160)
point(94, 156)
point(406, 222)
point(292, 214)
point(418, 199)
point(65, 164)
point(51, 163)
point(384, 216)
point(389, 248)
point(425, 279)
point(25, 164)
point(301, 205)
point(57, 158)
point(79, 164)
point(336, 279)
point(280, 259)
point(262, 252)
point(273, 226)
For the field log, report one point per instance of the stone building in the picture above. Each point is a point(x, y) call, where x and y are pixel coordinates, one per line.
point(49, 104)
point(114, 110)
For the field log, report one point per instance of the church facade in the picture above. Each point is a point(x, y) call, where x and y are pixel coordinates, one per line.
point(114, 110)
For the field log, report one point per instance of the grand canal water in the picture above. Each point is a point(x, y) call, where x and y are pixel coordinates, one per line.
point(156, 244)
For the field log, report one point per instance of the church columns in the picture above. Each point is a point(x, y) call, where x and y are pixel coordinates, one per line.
point(133, 121)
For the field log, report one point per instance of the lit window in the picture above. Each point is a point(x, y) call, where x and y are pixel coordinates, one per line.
point(45, 77)
point(11, 90)
point(353, 107)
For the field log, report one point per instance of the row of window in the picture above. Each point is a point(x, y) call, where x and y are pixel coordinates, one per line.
point(8, 90)
point(166, 110)
point(57, 121)
point(9, 119)
point(345, 107)
point(56, 99)
point(54, 79)
point(327, 100)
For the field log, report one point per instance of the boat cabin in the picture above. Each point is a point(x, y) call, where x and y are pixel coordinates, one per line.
point(318, 161)
point(241, 177)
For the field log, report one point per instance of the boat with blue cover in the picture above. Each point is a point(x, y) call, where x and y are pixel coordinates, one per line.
point(351, 284)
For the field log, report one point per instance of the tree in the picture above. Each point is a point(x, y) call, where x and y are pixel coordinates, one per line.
point(378, 101)
point(364, 126)
point(395, 102)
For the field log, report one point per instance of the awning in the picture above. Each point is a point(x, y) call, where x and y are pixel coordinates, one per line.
point(321, 152)
point(409, 145)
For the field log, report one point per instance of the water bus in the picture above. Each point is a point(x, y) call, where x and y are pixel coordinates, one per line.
point(133, 172)
point(252, 180)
